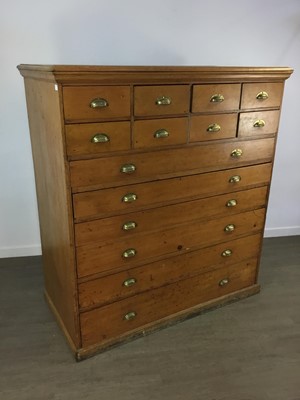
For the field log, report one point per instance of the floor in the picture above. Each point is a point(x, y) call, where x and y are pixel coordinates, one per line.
point(248, 350)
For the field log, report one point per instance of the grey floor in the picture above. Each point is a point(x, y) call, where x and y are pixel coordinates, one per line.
point(248, 350)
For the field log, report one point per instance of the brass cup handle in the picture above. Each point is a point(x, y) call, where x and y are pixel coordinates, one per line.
point(130, 315)
point(262, 96)
point(217, 98)
point(229, 228)
point(128, 168)
point(128, 226)
point(236, 153)
point(231, 203)
point(224, 282)
point(99, 103)
point(129, 253)
point(129, 198)
point(260, 123)
point(163, 101)
point(226, 253)
point(235, 179)
point(213, 128)
point(100, 138)
point(161, 133)
point(129, 282)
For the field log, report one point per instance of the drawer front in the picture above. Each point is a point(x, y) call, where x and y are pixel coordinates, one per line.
point(133, 313)
point(124, 226)
point(159, 132)
point(258, 123)
point(136, 280)
point(102, 257)
point(108, 172)
point(215, 98)
point(97, 138)
point(260, 95)
point(212, 127)
point(96, 102)
point(161, 100)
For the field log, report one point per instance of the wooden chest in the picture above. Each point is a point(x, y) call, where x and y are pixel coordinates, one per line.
point(152, 187)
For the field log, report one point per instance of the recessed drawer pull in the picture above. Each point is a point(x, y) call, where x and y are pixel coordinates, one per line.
point(213, 128)
point(128, 226)
point(231, 203)
point(226, 253)
point(100, 138)
point(217, 98)
point(130, 315)
point(224, 282)
point(129, 198)
point(129, 282)
point(161, 133)
point(129, 253)
point(235, 179)
point(236, 153)
point(260, 123)
point(262, 96)
point(98, 103)
point(128, 168)
point(229, 228)
point(163, 101)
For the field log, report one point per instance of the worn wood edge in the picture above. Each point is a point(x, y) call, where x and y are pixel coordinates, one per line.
point(84, 353)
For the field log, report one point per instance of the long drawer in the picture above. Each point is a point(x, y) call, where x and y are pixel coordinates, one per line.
point(133, 313)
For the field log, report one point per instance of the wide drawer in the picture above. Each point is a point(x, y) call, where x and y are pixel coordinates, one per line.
point(100, 203)
point(83, 139)
point(258, 123)
point(216, 98)
point(260, 95)
point(132, 314)
point(136, 280)
point(96, 102)
point(212, 127)
point(109, 171)
point(121, 254)
point(161, 100)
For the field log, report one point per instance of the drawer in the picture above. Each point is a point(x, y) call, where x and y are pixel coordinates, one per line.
point(109, 172)
point(101, 203)
point(260, 95)
point(103, 257)
point(136, 280)
point(215, 98)
point(258, 123)
point(83, 103)
point(97, 138)
point(161, 100)
point(159, 132)
point(133, 313)
point(212, 127)
point(124, 226)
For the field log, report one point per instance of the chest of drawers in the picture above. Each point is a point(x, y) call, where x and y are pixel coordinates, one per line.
point(152, 186)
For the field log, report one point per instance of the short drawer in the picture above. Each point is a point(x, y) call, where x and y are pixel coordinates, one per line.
point(258, 123)
point(136, 280)
point(133, 313)
point(159, 132)
point(260, 95)
point(161, 100)
point(212, 127)
point(215, 98)
point(83, 103)
point(107, 257)
point(83, 139)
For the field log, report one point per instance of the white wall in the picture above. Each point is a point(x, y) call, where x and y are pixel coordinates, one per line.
point(137, 32)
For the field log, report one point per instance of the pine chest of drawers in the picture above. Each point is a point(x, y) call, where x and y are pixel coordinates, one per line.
point(152, 187)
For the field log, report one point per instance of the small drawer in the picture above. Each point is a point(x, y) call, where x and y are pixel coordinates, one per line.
point(82, 103)
point(215, 98)
point(212, 127)
point(161, 100)
point(160, 132)
point(97, 138)
point(258, 123)
point(132, 314)
point(261, 95)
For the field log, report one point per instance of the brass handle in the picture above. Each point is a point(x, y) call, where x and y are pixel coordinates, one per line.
point(229, 228)
point(224, 282)
point(100, 138)
point(236, 153)
point(128, 226)
point(227, 253)
point(128, 168)
point(235, 179)
point(129, 198)
point(129, 282)
point(161, 133)
point(217, 98)
point(98, 103)
point(262, 96)
point(129, 253)
point(130, 315)
point(231, 203)
point(163, 101)
point(213, 128)
point(260, 123)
